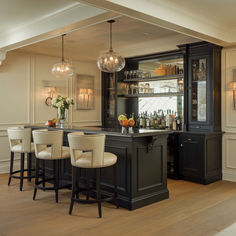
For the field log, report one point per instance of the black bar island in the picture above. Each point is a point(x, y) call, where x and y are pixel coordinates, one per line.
point(142, 164)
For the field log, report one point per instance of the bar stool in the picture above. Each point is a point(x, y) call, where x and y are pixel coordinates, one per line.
point(87, 151)
point(48, 146)
point(20, 142)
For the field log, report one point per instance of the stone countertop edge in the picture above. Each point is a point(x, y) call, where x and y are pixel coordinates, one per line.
point(107, 131)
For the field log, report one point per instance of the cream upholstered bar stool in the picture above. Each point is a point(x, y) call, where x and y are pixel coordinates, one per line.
point(48, 147)
point(87, 151)
point(20, 142)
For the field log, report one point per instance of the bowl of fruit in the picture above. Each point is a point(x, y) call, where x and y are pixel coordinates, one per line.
point(52, 123)
point(126, 123)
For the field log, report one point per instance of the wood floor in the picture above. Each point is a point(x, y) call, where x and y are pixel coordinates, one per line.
point(192, 209)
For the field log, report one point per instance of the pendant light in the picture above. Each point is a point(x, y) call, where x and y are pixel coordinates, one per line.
point(63, 68)
point(110, 61)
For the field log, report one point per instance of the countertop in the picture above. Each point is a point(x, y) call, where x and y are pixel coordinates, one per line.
point(107, 131)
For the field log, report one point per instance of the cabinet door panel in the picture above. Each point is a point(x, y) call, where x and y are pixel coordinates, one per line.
point(192, 156)
point(199, 92)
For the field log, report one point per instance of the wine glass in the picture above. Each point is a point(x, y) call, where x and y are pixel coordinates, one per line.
point(126, 74)
point(132, 86)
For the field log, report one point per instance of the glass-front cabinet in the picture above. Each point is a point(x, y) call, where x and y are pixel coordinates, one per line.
point(203, 87)
point(198, 90)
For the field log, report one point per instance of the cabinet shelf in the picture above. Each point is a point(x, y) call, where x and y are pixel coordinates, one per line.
point(150, 95)
point(155, 78)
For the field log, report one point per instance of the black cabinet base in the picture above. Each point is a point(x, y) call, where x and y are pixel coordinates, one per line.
point(203, 181)
point(138, 202)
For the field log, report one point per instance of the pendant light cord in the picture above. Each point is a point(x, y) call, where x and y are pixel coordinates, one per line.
point(110, 22)
point(110, 36)
point(62, 48)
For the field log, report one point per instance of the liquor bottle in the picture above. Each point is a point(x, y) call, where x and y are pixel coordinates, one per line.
point(137, 123)
point(147, 122)
point(170, 119)
point(151, 121)
point(179, 122)
point(155, 120)
point(167, 119)
point(141, 121)
point(163, 122)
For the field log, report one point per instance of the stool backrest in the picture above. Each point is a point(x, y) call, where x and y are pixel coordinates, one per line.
point(44, 138)
point(20, 135)
point(91, 143)
point(74, 153)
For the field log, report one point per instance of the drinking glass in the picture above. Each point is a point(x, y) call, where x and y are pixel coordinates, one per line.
point(126, 74)
point(132, 86)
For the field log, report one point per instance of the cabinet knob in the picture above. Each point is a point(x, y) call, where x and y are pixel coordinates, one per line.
point(189, 139)
point(181, 145)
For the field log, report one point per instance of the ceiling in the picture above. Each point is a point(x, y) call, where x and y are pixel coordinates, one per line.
point(220, 12)
point(130, 38)
point(17, 13)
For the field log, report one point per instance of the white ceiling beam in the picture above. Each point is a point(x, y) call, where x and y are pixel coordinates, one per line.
point(163, 14)
point(53, 25)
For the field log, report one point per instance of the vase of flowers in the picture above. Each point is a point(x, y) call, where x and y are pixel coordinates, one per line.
point(62, 104)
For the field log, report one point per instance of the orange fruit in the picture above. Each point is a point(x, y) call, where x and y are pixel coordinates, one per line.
point(131, 122)
point(125, 123)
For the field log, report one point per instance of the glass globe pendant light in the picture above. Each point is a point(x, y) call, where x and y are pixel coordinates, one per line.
point(110, 61)
point(63, 68)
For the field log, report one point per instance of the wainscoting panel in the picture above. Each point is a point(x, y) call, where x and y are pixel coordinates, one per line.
point(228, 113)
point(229, 156)
point(228, 116)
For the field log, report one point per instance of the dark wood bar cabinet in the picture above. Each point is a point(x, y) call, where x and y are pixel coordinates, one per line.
point(195, 151)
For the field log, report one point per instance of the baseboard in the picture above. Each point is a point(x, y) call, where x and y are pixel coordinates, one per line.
point(229, 176)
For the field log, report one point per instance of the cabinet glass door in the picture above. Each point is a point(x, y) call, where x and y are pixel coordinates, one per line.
point(198, 93)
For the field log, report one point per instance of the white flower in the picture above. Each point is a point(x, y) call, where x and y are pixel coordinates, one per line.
point(54, 101)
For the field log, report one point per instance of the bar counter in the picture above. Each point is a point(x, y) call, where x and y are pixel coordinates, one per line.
point(142, 164)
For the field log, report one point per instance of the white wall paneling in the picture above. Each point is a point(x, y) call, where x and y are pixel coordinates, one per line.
point(228, 116)
point(23, 78)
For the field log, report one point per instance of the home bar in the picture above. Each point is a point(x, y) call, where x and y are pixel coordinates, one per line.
point(118, 118)
point(152, 152)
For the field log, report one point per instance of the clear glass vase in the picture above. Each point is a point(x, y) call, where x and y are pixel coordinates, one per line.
point(61, 116)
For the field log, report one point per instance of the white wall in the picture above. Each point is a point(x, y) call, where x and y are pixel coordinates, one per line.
point(228, 115)
point(22, 81)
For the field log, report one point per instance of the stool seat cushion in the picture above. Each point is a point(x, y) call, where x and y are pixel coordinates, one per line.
point(85, 159)
point(46, 154)
point(18, 147)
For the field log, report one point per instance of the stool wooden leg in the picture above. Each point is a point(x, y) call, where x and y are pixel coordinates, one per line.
point(115, 185)
point(11, 168)
point(98, 188)
point(87, 184)
point(56, 178)
point(77, 177)
point(22, 162)
point(29, 166)
point(43, 174)
point(73, 191)
point(36, 177)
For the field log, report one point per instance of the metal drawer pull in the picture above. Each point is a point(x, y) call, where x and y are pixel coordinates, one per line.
point(197, 127)
point(189, 139)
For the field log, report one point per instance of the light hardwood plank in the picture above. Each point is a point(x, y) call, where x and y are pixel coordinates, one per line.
point(192, 209)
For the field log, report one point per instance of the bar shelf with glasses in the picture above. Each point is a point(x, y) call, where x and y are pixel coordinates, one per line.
point(151, 95)
point(155, 78)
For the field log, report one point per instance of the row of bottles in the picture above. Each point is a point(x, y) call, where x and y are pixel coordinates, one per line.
point(160, 120)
